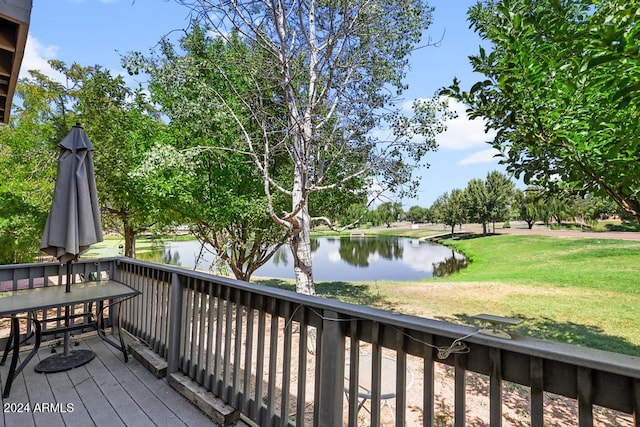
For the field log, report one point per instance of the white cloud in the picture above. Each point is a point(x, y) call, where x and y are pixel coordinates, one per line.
point(483, 156)
point(463, 133)
point(36, 56)
point(334, 256)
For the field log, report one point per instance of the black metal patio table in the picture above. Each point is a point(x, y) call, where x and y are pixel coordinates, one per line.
point(31, 301)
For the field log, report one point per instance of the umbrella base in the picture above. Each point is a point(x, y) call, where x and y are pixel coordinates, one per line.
point(62, 362)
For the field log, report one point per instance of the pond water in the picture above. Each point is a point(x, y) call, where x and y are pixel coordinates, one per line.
point(337, 258)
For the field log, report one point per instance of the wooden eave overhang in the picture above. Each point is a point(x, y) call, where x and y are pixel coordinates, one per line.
point(14, 26)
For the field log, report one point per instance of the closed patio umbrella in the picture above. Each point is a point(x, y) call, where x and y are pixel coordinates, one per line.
point(72, 226)
point(74, 219)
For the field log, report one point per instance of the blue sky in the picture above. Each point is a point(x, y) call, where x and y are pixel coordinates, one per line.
point(99, 32)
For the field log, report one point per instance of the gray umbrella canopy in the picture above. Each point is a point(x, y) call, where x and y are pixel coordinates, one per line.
point(74, 219)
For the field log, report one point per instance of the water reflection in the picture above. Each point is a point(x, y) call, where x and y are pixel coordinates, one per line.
point(355, 251)
point(358, 251)
point(348, 259)
point(449, 265)
point(163, 256)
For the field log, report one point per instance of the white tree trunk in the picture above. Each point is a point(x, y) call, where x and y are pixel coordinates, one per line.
point(301, 232)
point(301, 248)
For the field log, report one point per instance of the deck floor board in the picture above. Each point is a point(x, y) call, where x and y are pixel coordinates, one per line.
point(104, 392)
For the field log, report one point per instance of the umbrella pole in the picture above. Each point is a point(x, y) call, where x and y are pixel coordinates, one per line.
point(67, 334)
point(69, 359)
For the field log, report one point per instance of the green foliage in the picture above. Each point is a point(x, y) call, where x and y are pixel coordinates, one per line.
point(476, 201)
point(122, 126)
point(353, 214)
point(489, 200)
point(500, 189)
point(21, 226)
point(419, 214)
point(28, 158)
point(561, 91)
point(199, 175)
point(321, 79)
point(450, 209)
point(530, 206)
point(389, 212)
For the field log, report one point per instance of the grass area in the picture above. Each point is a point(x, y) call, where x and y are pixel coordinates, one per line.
point(575, 290)
point(582, 291)
point(144, 244)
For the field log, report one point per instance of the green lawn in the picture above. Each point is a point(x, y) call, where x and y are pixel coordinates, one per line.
point(143, 244)
point(584, 291)
point(576, 290)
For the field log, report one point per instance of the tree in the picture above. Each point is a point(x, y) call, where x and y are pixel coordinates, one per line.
point(28, 158)
point(353, 214)
point(389, 213)
point(450, 209)
point(530, 206)
point(197, 173)
point(556, 207)
point(123, 127)
point(418, 214)
point(613, 47)
point(598, 208)
point(561, 91)
point(335, 70)
point(214, 194)
point(476, 200)
point(489, 200)
point(120, 124)
point(500, 189)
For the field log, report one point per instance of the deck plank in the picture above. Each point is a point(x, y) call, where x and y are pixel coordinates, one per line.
point(104, 392)
point(126, 407)
point(155, 410)
point(12, 411)
point(184, 411)
point(99, 411)
point(189, 415)
point(41, 395)
point(65, 392)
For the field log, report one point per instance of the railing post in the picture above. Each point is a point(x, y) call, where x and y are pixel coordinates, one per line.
point(331, 379)
point(112, 272)
point(175, 324)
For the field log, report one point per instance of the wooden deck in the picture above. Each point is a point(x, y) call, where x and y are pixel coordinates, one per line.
point(104, 392)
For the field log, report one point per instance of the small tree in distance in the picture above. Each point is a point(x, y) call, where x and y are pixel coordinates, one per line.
point(530, 206)
point(389, 213)
point(450, 209)
point(418, 214)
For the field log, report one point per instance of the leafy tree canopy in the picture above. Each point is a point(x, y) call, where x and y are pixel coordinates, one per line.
point(200, 175)
point(28, 153)
point(561, 89)
point(450, 208)
point(123, 126)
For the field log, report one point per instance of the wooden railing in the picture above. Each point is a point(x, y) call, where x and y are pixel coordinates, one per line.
point(281, 358)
